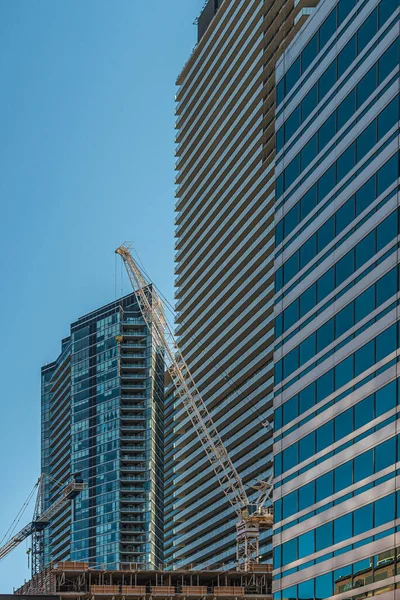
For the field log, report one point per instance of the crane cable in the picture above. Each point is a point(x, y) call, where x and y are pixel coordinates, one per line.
point(17, 519)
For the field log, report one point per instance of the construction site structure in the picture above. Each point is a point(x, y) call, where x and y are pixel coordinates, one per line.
point(252, 516)
point(77, 580)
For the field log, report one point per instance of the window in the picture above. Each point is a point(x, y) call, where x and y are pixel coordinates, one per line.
point(324, 486)
point(363, 466)
point(346, 162)
point(365, 249)
point(309, 53)
point(363, 519)
point(308, 201)
point(385, 398)
point(386, 343)
point(387, 230)
point(365, 304)
point(344, 9)
point(324, 536)
point(325, 335)
point(327, 131)
point(386, 287)
point(326, 284)
point(290, 410)
point(388, 62)
point(366, 140)
point(326, 233)
point(292, 218)
point(325, 436)
point(325, 385)
point(364, 358)
point(326, 183)
point(292, 171)
point(327, 29)
point(385, 454)
point(343, 372)
point(293, 74)
point(290, 504)
point(346, 109)
point(292, 124)
point(289, 551)
point(290, 268)
point(307, 447)
point(307, 495)
point(366, 86)
point(384, 510)
point(307, 398)
point(349, 52)
point(342, 528)
point(309, 102)
point(326, 80)
point(308, 300)
point(388, 118)
point(324, 585)
point(306, 545)
point(307, 349)
point(388, 173)
point(365, 195)
point(367, 31)
point(344, 320)
point(386, 10)
point(344, 424)
point(290, 458)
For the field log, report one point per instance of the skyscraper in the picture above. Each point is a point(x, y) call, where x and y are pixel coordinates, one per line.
point(224, 266)
point(336, 446)
point(102, 416)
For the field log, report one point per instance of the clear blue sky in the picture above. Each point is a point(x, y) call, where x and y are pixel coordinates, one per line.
point(86, 162)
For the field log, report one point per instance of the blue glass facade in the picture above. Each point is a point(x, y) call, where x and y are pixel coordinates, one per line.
point(102, 412)
point(337, 291)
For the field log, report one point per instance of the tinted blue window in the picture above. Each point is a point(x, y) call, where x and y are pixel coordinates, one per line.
point(388, 117)
point(325, 385)
point(292, 171)
point(327, 131)
point(386, 10)
point(308, 201)
point(289, 551)
point(366, 140)
point(280, 139)
point(366, 86)
point(326, 233)
point(306, 590)
point(346, 162)
point(326, 183)
point(290, 362)
point(327, 29)
point(324, 486)
point(292, 219)
point(364, 412)
point(344, 372)
point(278, 418)
point(367, 31)
point(365, 195)
point(388, 62)
point(307, 495)
point(386, 343)
point(363, 519)
point(388, 173)
point(279, 279)
point(344, 267)
point(308, 300)
point(385, 454)
point(292, 124)
point(293, 75)
point(280, 91)
point(309, 152)
point(326, 80)
point(365, 249)
point(291, 315)
point(290, 593)
point(346, 109)
point(291, 268)
point(365, 304)
point(290, 410)
point(343, 424)
point(309, 53)
point(344, 320)
point(326, 284)
point(324, 536)
point(306, 545)
point(342, 528)
point(323, 586)
point(345, 215)
point(307, 447)
point(385, 398)
point(309, 102)
point(278, 233)
point(325, 335)
point(290, 504)
point(325, 436)
point(277, 554)
point(384, 510)
point(307, 398)
point(278, 325)
point(363, 466)
point(290, 458)
point(387, 230)
point(307, 349)
point(386, 287)
point(344, 9)
point(364, 358)
point(347, 55)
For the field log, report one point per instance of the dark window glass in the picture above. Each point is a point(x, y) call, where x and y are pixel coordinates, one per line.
point(386, 343)
point(366, 86)
point(290, 457)
point(324, 436)
point(345, 215)
point(290, 362)
point(326, 233)
point(384, 510)
point(309, 102)
point(309, 152)
point(386, 287)
point(363, 519)
point(292, 219)
point(306, 547)
point(344, 320)
point(344, 9)
point(289, 551)
point(385, 398)
point(346, 109)
point(366, 140)
point(387, 230)
point(278, 465)
point(388, 117)
point(308, 300)
point(290, 410)
point(307, 398)
point(325, 385)
point(344, 372)
point(365, 195)
point(327, 79)
point(324, 537)
point(292, 124)
point(291, 268)
point(308, 201)
point(280, 91)
point(365, 249)
point(277, 550)
point(291, 315)
point(326, 183)
point(348, 54)
point(388, 62)
point(363, 466)
point(346, 162)
point(309, 53)
point(388, 173)
point(385, 454)
point(278, 279)
point(307, 495)
point(343, 424)
point(325, 335)
point(327, 131)
point(307, 349)
point(324, 583)
point(386, 10)
point(367, 31)
point(364, 412)
point(342, 528)
point(306, 590)
point(280, 139)
point(307, 447)
point(293, 75)
point(292, 171)
point(290, 593)
point(290, 504)
point(324, 486)
point(365, 303)
point(278, 233)
point(279, 186)
point(364, 358)
point(327, 29)
point(345, 267)
point(278, 419)
point(326, 284)
point(278, 372)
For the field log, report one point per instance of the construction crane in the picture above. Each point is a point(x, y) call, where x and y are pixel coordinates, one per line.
point(252, 517)
point(41, 519)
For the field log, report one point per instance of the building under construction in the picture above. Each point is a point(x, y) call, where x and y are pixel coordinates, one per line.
point(78, 580)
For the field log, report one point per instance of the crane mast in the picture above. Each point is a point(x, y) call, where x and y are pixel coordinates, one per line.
point(248, 526)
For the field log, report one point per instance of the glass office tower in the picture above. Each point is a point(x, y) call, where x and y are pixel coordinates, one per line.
point(336, 394)
point(102, 416)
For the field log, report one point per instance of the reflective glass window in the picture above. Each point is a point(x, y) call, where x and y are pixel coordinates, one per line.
point(344, 320)
point(306, 544)
point(290, 457)
point(386, 10)
point(290, 410)
point(309, 53)
point(346, 162)
point(343, 477)
point(307, 398)
point(323, 586)
point(291, 268)
point(364, 411)
point(345, 267)
point(291, 315)
point(366, 140)
point(388, 117)
point(308, 202)
point(292, 171)
point(290, 504)
point(367, 30)
point(363, 519)
point(326, 233)
point(346, 109)
point(324, 486)
point(344, 372)
point(327, 29)
point(364, 358)
point(385, 454)
point(387, 230)
point(308, 300)
point(326, 284)
point(386, 343)
point(366, 86)
point(327, 131)
point(326, 80)
point(365, 304)
point(349, 52)
point(384, 510)
point(309, 102)
point(325, 385)
point(363, 466)
point(388, 62)
point(306, 590)
point(345, 215)
point(385, 398)
point(325, 436)
point(307, 348)
point(293, 74)
point(388, 173)
point(386, 287)
point(325, 335)
point(343, 424)
point(365, 195)
point(342, 528)
point(292, 219)
point(292, 123)
point(308, 251)
point(307, 446)
point(307, 495)
point(326, 183)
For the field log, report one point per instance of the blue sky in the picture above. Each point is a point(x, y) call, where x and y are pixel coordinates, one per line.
point(86, 162)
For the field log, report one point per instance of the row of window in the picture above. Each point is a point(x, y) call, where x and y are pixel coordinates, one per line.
point(349, 368)
point(355, 46)
point(342, 322)
point(305, 302)
point(346, 109)
point(360, 521)
point(353, 471)
point(369, 570)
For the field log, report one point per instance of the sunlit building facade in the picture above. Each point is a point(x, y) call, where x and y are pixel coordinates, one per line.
point(336, 390)
point(102, 416)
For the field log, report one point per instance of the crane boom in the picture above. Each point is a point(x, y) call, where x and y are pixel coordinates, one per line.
point(153, 314)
